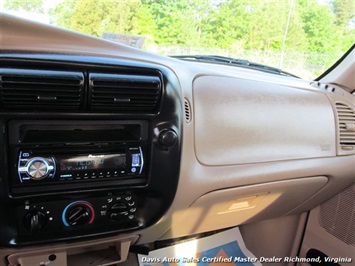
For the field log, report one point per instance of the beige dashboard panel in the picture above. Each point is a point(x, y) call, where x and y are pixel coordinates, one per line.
point(242, 121)
point(234, 206)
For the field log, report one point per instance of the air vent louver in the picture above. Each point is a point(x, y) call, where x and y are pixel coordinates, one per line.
point(346, 118)
point(27, 89)
point(124, 93)
point(187, 111)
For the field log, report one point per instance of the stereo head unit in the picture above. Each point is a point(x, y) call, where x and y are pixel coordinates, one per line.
point(37, 166)
point(87, 153)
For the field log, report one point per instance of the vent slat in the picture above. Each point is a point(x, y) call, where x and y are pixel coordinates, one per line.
point(347, 134)
point(39, 93)
point(39, 82)
point(345, 116)
point(125, 97)
point(133, 91)
point(31, 89)
point(114, 85)
point(35, 100)
point(124, 93)
point(347, 138)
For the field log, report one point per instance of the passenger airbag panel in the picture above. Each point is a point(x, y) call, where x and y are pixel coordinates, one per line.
point(240, 121)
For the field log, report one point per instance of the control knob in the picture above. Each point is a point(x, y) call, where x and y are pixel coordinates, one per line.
point(78, 213)
point(37, 168)
point(167, 137)
point(118, 211)
point(35, 221)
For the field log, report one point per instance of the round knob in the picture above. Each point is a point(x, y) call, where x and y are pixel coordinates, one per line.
point(168, 137)
point(35, 221)
point(78, 213)
point(37, 168)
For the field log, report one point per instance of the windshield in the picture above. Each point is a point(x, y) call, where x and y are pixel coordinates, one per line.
point(302, 37)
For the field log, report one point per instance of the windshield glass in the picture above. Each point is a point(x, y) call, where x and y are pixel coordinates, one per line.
point(302, 37)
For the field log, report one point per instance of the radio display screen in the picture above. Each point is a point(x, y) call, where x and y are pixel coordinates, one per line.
point(92, 162)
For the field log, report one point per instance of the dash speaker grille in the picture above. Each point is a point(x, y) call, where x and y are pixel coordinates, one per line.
point(337, 216)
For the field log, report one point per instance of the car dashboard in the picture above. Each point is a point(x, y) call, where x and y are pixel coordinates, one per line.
point(108, 146)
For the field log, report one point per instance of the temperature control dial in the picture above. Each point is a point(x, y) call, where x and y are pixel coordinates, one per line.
point(78, 213)
point(37, 168)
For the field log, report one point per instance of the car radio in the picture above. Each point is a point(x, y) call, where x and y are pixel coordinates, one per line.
point(37, 166)
point(51, 155)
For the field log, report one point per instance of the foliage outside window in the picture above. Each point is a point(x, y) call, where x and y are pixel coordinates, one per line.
point(309, 35)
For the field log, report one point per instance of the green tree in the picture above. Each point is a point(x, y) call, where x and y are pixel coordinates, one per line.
point(344, 11)
point(26, 5)
point(169, 17)
point(255, 25)
point(98, 16)
point(319, 26)
point(229, 22)
point(62, 14)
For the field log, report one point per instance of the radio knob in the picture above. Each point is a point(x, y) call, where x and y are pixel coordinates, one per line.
point(37, 168)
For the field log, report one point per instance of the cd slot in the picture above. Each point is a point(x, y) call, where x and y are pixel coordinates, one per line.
point(127, 133)
point(68, 132)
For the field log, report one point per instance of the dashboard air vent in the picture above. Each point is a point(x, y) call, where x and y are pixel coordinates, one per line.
point(187, 109)
point(124, 93)
point(346, 118)
point(29, 89)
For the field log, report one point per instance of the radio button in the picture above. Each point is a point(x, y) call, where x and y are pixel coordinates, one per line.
point(133, 170)
point(66, 176)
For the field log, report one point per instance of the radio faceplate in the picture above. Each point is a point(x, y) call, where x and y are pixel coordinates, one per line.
point(36, 166)
point(47, 156)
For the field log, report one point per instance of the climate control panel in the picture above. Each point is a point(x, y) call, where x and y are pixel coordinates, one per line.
point(65, 216)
